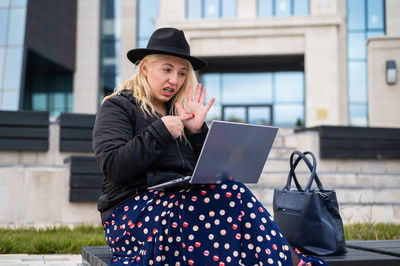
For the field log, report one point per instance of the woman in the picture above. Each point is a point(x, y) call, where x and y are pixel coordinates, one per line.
point(151, 130)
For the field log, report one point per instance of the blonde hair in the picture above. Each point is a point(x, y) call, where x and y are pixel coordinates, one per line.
point(140, 89)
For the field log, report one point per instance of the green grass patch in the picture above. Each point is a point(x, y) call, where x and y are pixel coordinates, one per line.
point(60, 240)
point(63, 240)
point(372, 231)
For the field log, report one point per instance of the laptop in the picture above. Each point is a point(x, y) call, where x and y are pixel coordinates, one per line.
point(231, 151)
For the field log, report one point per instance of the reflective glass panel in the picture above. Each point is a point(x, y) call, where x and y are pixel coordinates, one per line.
point(16, 31)
point(246, 88)
point(283, 7)
point(228, 8)
point(289, 87)
point(193, 9)
point(288, 114)
point(3, 25)
point(39, 101)
point(13, 66)
point(70, 102)
point(264, 8)
point(375, 33)
point(147, 16)
point(10, 100)
point(212, 82)
point(260, 115)
point(356, 14)
point(19, 2)
point(357, 45)
point(2, 51)
point(375, 14)
point(357, 82)
point(214, 113)
point(301, 7)
point(235, 114)
point(4, 3)
point(358, 115)
point(212, 9)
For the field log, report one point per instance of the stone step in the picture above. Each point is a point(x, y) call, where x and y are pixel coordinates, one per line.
point(276, 163)
point(346, 196)
point(334, 180)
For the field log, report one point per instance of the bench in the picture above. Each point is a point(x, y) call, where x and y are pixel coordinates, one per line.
point(24, 130)
point(341, 142)
point(359, 253)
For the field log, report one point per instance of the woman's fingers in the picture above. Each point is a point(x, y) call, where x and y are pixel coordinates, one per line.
point(189, 94)
point(203, 96)
point(186, 116)
point(210, 103)
point(198, 91)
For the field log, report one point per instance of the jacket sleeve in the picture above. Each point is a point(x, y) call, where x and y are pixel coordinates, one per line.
point(121, 153)
point(197, 140)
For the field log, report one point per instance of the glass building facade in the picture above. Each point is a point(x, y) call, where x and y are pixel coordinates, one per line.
point(146, 21)
point(110, 39)
point(209, 9)
point(12, 36)
point(270, 8)
point(366, 18)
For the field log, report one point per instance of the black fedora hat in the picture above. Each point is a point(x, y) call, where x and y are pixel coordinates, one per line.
point(169, 41)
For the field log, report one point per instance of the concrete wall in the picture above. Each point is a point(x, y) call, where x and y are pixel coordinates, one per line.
point(39, 196)
point(86, 77)
point(383, 99)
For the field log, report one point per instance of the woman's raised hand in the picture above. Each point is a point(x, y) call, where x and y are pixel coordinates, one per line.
point(195, 106)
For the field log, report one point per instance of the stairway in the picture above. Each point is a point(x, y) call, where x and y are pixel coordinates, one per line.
point(368, 191)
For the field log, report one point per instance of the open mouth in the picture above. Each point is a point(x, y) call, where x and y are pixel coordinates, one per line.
point(168, 92)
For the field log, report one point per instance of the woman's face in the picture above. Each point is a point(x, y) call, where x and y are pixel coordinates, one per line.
point(165, 77)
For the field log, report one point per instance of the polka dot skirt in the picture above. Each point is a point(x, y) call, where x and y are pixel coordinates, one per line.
point(199, 225)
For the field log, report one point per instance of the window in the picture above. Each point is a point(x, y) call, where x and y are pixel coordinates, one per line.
point(210, 9)
point(147, 16)
point(109, 46)
point(365, 19)
point(266, 98)
point(269, 8)
point(12, 35)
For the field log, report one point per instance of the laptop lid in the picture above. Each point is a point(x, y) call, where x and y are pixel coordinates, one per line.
point(233, 150)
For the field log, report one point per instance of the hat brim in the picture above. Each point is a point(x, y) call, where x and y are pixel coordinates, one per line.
point(138, 54)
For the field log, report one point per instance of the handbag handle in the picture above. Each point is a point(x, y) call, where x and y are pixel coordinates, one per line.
point(312, 167)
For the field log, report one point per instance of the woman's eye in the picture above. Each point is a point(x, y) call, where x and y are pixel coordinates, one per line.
point(182, 74)
point(167, 70)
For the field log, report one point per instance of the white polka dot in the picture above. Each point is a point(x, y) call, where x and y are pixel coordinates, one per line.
point(249, 205)
point(224, 186)
point(252, 215)
point(150, 208)
point(270, 261)
point(232, 204)
point(164, 222)
point(259, 238)
point(281, 255)
point(178, 239)
point(195, 228)
point(234, 187)
point(202, 217)
point(264, 220)
point(206, 200)
point(171, 214)
point(163, 213)
point(161, 238)
point(250, 246)
point(147, 219)
point(191, 208)
point(273, 232)
point(248, 225)
point(242, 190)
point(181, 207)
point(207, 225)
point(137, 198)
point(247, 236)
point(216, 222)
point(165, 203)
point(229, 219)
point(135, 207)
point(258, 249)
point(211, 236)
point(226, 246)
point(176, 253)
point(228, 259)
point(279, 263)
point(268, 237)
point(216, 196)
point(156, 218)
point(145, 231)
point(253, 199)
point(235, 253)
point(223, 232)
point(222, 212)
point(243, 255)
point(211, 213)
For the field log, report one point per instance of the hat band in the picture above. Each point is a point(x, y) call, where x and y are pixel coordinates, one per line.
point(170, 49)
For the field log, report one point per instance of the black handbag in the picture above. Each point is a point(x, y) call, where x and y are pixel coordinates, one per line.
point(309, 218)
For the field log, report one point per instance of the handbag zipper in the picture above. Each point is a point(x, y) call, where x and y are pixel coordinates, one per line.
point(290, 211)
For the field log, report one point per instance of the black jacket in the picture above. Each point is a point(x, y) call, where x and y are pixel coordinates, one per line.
point(135, 150)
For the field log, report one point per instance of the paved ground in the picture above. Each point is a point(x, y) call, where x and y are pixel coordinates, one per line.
point(28, 260)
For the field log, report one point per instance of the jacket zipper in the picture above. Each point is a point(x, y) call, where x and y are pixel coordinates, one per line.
point(180, 154)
